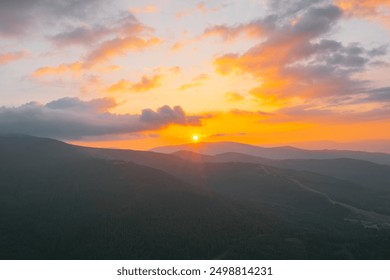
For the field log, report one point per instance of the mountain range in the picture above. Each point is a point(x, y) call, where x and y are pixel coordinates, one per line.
point(284, 152)
point(60, 201)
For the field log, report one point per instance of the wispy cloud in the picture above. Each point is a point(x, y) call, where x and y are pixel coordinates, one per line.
point(228, 33)
point(74, 67)
point(126, 35)
point(148, 9)
point(145, 84)
point(188, 86)
point(12, 56)
point(233, 96)
point(196, 82)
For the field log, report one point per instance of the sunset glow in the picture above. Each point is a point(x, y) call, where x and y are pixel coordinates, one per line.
point(195, 138)
point(145, 74)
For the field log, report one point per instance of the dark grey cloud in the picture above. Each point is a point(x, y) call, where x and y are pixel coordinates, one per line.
point(381, 95)
point(75, 104)
point(383, 92)
point(317, 21)
point(83, 35)
point(286, 8)
point(333, 63)
point(18, 16)
point(72, 118)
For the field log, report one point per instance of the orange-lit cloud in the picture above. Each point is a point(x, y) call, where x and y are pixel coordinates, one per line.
point(228, 33)
point(145, 84)
point(196, 82)
point(294, 62)
point(107, 50)
point(148, 9)
point(363, 7)
point(74, 68)
point(233, 96)
point(188, 86)
point(201, 77)
point(119, 47)
point(167, 70)
point(12, 56)
point(375, 10)
point(126, 35)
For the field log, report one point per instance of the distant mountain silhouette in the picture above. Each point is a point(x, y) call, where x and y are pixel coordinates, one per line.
point(284, 152)
point(60, 201)
point(374, 176)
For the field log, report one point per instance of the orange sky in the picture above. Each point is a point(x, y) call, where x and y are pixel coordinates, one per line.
point(155, 73)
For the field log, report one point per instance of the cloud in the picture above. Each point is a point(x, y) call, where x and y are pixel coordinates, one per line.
point(166, 115)
point(126, 25)
point(312, 114)
point(74, 104)
point(196, 82)
point(381, 95)
point(375, 10)
point(234, 97)
point(126, 34)
point(74, 67)
point(228, 33)
point(119, 47)
point(227, 134)
point(12, 56)
point(188, 86)
point(145, 84)
point(295, 60)
point(201, 77)
point(254, 29)
point(83, 35)
point(287, 12)
point(363, 7)
point(17, 17)
point(239, 112)
point(148, 9)
point(72, 118)
point(287, 8)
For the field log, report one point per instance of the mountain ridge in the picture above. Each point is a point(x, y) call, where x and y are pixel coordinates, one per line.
point(283, 152)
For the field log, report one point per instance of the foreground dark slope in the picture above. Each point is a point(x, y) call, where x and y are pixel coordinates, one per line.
point(59, 202)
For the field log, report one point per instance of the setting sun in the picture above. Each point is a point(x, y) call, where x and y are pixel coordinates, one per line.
point(195, 138)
